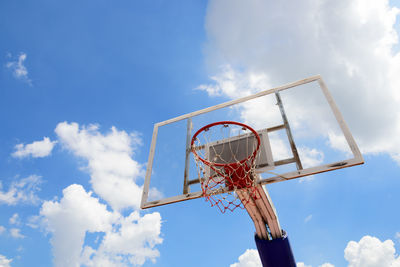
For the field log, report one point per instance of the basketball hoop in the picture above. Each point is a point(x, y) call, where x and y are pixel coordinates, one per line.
point(225, 153)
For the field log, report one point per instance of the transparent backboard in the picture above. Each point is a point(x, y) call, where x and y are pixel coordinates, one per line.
point(301, 129)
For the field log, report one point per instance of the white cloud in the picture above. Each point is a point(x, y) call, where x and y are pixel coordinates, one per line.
point(310, 157)
point(350, 43)
point(16, 233)
point(124, 240)
point(37, 149)
point(154, 193)
point(128, 239)
point(397, 235)
point(308, 218)
point(338, 142)
point(301, 264)
point(250, 258)
point(235, 84)
point(14, 219)
point(34, 221)
point(135, 238)
point(327, 265)
point(371, 252)
point(4, 262)
point(70, 219)
point(2, 229)
point(18, 68)
point(113, 171)
point(280, 149)
point(21, 191)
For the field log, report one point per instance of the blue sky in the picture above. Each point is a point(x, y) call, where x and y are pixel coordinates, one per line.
point(82, 83)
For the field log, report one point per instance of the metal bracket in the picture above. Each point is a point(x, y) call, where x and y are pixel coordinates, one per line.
point(263, 213)
point(288, 131)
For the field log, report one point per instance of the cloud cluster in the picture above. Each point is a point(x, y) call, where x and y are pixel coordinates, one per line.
point(23, 191)
point(78, 213)
point(249, 258)
point(4, 262)
point(261, 44)
point(14, 219)
point(70, 219)
point(37, 149)
point(371, 252)
point(131, 242)
point(18, 68)
point(113, 172)
point(16, 233)
point(121, 240)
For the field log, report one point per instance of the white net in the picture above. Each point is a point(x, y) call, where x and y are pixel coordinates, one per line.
point(225, 154)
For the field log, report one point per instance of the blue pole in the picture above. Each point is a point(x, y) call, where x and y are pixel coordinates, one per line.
point(276, 252)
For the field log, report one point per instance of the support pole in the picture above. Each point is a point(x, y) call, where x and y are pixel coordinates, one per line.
point(276, 252)
point(186, 181)
point(262, 212)
point(272, 242)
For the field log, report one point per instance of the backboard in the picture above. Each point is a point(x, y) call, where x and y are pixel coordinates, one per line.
point(301, 129)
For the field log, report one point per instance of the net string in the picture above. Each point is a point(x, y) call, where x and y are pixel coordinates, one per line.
point(227, 172)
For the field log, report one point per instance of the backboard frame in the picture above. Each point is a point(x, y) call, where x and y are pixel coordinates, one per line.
point(357, 158)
